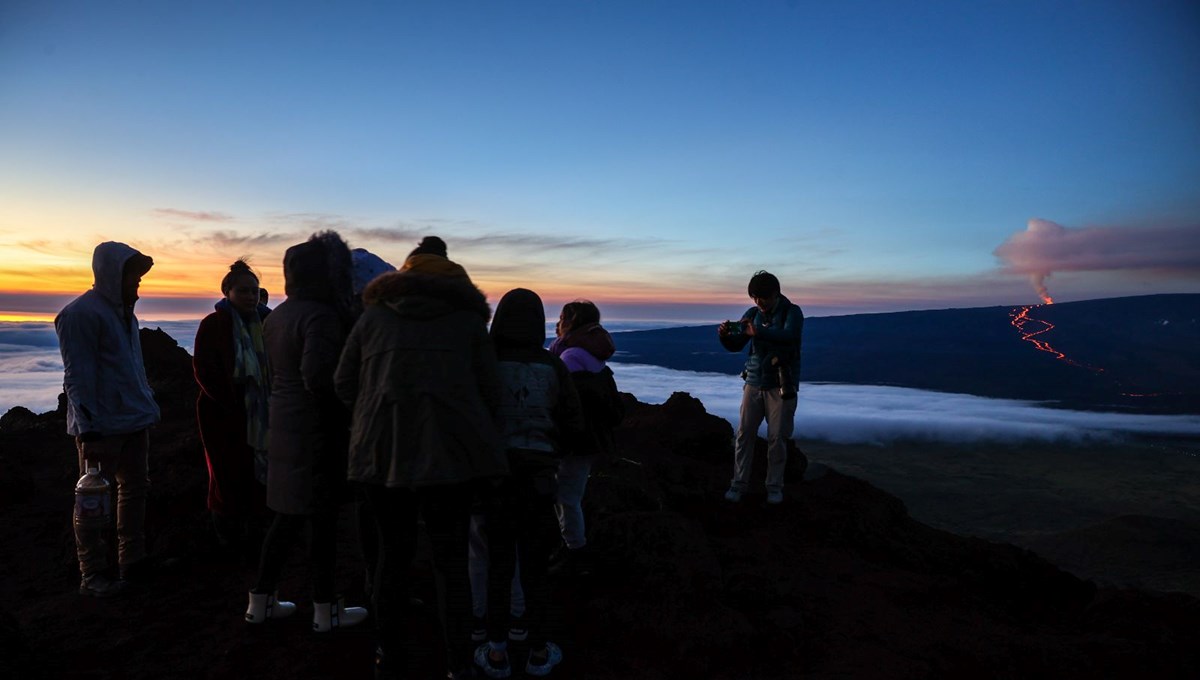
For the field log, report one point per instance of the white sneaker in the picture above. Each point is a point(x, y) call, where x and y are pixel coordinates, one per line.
point(733, 495)
point(774, 497)
point(328, 616)
point(266, 606)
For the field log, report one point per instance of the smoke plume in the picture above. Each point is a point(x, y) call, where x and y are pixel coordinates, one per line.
point(1045, 247)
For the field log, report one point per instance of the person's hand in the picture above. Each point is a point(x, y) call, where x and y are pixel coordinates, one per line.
point(748, 329)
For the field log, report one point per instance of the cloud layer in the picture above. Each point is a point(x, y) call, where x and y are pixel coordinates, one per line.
point(31, 376)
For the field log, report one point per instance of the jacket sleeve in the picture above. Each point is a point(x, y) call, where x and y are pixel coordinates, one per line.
point(79, 342)
point(345, 378)
point(322, 348)
point(209, 363)
point(789, 334)
point(735, 343)
point(486, 369)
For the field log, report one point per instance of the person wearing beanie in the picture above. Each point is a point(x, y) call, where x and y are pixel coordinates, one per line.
point(419, 375)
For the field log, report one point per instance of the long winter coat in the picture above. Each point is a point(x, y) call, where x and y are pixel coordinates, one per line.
point(104, 377)
point(221, 416)
point(306, 444)
point(419, 373)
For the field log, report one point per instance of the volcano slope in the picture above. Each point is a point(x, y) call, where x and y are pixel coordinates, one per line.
point(838, 581)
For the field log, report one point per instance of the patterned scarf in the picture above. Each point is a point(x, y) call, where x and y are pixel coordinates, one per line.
point(250, 369)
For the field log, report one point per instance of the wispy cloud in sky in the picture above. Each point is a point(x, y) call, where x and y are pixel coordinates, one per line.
point(193, 215)
point(1045, 247)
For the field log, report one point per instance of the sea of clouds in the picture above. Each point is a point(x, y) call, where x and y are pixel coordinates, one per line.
point(31, 376)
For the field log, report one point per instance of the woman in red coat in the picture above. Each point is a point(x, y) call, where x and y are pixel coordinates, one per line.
point(230, 364)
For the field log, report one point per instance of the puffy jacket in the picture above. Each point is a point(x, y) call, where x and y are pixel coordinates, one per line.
point(777, 334)
point(104, 375)
point(539, 407)
point(419, 374)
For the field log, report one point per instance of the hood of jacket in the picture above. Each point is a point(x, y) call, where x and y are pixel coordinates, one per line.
point(520, 319)
point(420, 294)
point(108, 265)
point(320, 270)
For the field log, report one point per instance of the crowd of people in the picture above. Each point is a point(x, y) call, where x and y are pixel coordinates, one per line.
point(387, 388)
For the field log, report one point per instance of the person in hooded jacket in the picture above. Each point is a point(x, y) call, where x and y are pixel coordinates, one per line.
point(307, 439)
point(110, 407)
point(419, 374)
point(541, 419)
point(229, 361)
point(584, 346)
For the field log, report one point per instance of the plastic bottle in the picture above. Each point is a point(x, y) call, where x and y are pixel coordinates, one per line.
point(93, 509)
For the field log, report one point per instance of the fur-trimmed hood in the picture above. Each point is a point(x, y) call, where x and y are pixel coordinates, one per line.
point(414, 293)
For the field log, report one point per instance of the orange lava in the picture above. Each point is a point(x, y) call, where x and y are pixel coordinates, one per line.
point(1021, 319)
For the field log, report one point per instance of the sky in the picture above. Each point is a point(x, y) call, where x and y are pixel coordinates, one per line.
point(648, 155)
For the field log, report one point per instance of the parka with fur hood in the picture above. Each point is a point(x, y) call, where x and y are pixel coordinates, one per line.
point(104, 375)
point(419, 374)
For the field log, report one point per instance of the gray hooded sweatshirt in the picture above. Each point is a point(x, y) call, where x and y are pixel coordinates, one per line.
point(104, 377)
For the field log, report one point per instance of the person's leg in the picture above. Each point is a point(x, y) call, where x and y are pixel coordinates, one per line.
point(781, 420)
point(368, 538)
point(537, 534)
point(396, 511)
point(279, 540)
point(477, 561)
point(501, 540)
point(131, 471)
point(323, 553)
point(751, 415)
point(573, 474)
point(447, 513)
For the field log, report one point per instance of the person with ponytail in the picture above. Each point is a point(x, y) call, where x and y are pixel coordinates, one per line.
point(230, 365)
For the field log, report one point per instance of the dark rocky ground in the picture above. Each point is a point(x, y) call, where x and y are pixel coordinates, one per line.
point(838, 581)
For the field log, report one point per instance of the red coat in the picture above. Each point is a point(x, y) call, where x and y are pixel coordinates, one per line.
point(221, 415)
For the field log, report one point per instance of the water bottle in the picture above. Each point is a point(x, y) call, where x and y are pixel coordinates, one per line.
point(93, 509)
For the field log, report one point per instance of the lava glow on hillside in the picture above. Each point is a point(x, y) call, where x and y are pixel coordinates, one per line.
point(1021, 320)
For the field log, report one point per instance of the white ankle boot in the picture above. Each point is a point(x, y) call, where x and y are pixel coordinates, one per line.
point(264, 606)
point(328, 616)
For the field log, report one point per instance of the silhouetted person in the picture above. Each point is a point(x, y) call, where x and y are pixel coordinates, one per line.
point(264, 299)
point(584, 346)
point(306, 448)
point(541, 420)
point(230, 365)
point(367, 266)
point(419, 374)
point(110, 407)
point(772, 327)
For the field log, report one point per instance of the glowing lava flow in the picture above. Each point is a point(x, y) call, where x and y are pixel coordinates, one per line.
point(1021, 319)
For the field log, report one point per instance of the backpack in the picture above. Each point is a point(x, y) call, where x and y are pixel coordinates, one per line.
point(601, 402)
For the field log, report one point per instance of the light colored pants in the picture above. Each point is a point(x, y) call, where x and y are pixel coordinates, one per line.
point(124, 460)
point(759, 403)
point(477, 566)
point(573, 474)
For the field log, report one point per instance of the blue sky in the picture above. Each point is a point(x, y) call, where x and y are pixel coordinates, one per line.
point(649, 155)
